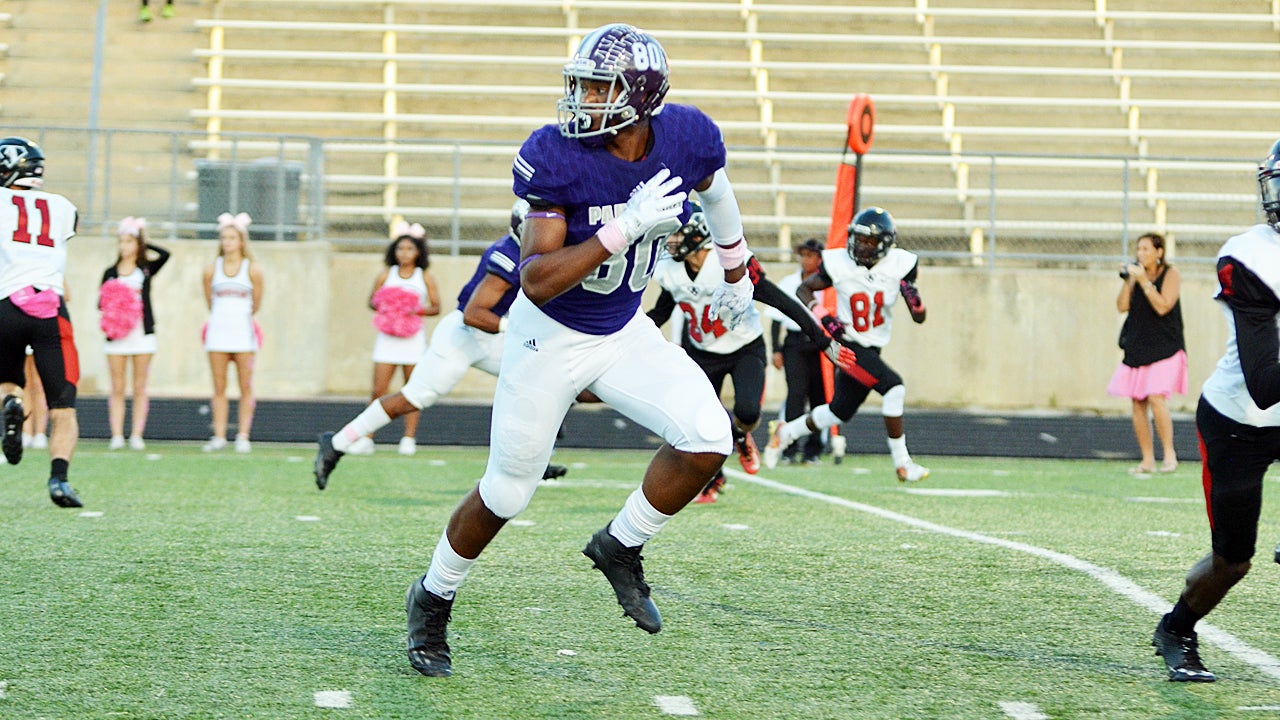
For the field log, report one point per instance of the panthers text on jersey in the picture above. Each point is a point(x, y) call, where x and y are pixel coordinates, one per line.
point(34, 229)
point(593, 187)
point(693, 297)
point(1258, 251)
point(866, 296)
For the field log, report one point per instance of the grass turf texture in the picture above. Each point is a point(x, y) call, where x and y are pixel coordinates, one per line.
point(199, 593)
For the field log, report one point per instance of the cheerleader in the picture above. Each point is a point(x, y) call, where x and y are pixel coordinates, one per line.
point(233, 291)
point(127, 320)
point(403, 294)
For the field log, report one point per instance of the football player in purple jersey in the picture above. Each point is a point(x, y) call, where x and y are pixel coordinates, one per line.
point(606, 184)
point(1238, 419)
point(468, 337)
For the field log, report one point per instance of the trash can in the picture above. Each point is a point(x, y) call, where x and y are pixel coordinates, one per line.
point(267, 189)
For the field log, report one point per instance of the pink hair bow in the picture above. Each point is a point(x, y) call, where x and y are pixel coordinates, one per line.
point(132, 226)
point(240, 221)
point(402, 228)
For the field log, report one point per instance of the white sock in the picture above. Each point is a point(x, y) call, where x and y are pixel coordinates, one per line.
point(448, 569)
point(370, 420)
point(898, 449)
point(638, 520)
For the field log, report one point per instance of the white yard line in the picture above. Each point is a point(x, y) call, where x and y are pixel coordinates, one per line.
point(1022, 710)
point(333, 698)
point(1126, 588)
point(675, 705)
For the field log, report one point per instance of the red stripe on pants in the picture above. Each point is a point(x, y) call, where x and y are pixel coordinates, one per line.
point(70, 358)
point(1206, 479)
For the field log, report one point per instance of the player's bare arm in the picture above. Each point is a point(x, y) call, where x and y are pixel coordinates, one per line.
point(479, 312)
point(548, 267)
point(810, 285)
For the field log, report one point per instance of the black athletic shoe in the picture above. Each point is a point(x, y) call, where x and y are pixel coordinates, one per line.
point(554, 471)
point(326, 459)
point(13, 417)
point(1181, 655)
point(428, 631)
point(62, 495)
point(621, 566)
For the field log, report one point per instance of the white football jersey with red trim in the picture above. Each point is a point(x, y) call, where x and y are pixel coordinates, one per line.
point(693, 297)
point(34, 229)
point(865, 296)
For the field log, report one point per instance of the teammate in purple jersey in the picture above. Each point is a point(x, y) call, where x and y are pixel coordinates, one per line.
point(606, 185)
point(470, 336)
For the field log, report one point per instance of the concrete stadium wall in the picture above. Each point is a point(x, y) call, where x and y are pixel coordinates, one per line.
point(1012, 339)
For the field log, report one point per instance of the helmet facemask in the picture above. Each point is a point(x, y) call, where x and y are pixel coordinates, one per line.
point(1269, 189)
point(631, 63)
point(690, 238)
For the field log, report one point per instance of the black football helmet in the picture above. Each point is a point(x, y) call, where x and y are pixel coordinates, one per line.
point(21, 163)
point(1269, 185)
point(635, 66)
point(518, 210)
point(691, 237)
point(871, 234)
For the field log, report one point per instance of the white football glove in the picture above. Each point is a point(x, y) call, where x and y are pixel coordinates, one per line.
point(651, 204)
point(731, 301)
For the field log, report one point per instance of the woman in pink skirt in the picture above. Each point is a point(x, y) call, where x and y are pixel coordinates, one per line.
point(1155, 356)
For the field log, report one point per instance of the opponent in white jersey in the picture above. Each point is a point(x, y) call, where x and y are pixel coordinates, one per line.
point(688, 282)
point(34, 229)
point(868, 275)
point(1238, 420)
point(469, 337)
point(233, 291)
point(406, 261)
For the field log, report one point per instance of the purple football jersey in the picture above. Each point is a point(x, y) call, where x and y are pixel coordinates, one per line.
point(593, 187)
point(502, 258)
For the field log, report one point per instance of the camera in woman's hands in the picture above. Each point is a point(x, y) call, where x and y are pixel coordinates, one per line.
point(1124, 272)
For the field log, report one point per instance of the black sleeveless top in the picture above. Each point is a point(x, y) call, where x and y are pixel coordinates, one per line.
point(1147, 336)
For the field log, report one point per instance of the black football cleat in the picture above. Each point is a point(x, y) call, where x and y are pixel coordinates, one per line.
point(326, 459)
point(62, 495)
point(621, 566)
point(428, 631)
point(554, 471)
point(12, 441)
point(1181, 655)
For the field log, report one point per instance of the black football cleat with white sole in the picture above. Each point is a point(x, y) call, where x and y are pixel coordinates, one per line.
point(621, 566)
point(554, 471)
point(428, 631)
point(62, 495)
point(13, 417)
point(326, 459)
point(1181, 655)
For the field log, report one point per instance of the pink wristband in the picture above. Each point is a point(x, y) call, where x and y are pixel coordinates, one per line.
point(732, 256)
point(611, 237)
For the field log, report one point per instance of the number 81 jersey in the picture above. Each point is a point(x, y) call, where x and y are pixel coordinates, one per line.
point(866, 296)
point(693, 297)
point(34, 229)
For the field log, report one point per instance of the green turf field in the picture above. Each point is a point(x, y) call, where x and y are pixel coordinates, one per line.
point(227, 586)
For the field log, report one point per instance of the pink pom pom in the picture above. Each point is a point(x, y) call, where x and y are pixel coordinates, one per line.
point(121, 308)
point(397, 311)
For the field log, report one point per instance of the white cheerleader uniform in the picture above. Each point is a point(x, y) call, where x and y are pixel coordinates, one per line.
point(230, 327)
point(392, 350)
point(137, 342)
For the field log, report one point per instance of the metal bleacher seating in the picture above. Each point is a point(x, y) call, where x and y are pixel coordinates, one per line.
point(1058, 114)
